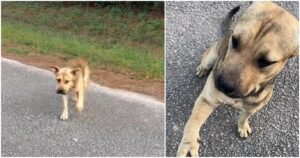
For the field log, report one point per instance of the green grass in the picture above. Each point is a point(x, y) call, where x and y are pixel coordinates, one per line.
point(114, 37)
point(19, 51)
point(49, 42)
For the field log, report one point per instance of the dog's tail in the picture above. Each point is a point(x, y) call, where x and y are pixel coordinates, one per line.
point(227, 20)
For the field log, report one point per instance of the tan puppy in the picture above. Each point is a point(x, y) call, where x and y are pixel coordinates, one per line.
point(243, 66)
point(75, 76)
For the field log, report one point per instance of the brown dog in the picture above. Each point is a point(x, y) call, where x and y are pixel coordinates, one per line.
point(243, 66)
point(74, 76)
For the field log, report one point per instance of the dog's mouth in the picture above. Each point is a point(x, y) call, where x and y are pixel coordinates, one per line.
point(233, 95)
point(236, 94)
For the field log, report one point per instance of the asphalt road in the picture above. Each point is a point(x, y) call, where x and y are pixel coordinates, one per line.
point(192, 27)
point(115, 123)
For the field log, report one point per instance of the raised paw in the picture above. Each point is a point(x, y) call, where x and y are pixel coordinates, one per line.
point(244, 130)
point(64, 116)
point(188, 147)
point(202, 71)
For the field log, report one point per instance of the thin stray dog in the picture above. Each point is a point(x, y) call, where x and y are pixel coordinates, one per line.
point(242, 67)
point(73, 77)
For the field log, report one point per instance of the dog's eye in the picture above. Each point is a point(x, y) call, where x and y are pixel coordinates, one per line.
point(234, 42)
point(66, 82)
point(263, 62)
point(58, 80)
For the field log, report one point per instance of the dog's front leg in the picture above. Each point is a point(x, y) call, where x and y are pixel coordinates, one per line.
point(243, 124)
point(211, 56)
point(190, 140)
point(208, 60)
point(64, 115)
point(80, 101)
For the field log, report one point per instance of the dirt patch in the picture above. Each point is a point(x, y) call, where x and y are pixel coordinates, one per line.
point(151, 87)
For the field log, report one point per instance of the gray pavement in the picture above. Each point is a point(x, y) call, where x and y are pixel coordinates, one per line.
point(115, 123)
point(192, 27)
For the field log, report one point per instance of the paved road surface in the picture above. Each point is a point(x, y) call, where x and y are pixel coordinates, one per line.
point(114, 123)
point(192, 27)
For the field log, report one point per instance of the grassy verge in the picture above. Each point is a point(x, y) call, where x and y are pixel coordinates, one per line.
point(122, 40)
point(49, 42)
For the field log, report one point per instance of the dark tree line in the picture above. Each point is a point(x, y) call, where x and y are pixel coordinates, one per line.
point(132, 4)
point(156, 6)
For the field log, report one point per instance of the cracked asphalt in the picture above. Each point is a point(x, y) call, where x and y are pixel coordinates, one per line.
point(190, 28)
point(114, 123)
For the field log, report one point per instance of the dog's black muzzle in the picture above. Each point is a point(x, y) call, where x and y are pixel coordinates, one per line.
point(60, 91)
point(226, 85)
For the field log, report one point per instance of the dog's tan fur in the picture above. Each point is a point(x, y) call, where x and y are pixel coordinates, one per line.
point(72, 77)
point(264, 32)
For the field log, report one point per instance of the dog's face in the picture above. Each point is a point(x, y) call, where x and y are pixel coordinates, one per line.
point(65, 79)
point(265, 37)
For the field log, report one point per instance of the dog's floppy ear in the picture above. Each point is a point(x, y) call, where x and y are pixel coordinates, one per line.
point(55, 69)
point(75, 71)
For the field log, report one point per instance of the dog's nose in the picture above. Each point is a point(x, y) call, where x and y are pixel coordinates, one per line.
point(224, 85)
point(60, 91)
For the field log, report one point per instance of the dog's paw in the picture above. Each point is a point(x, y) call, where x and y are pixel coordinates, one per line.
point(188, 148)
point(244, 130)
point(202, 71)
point(79, 108)
point(64, 116)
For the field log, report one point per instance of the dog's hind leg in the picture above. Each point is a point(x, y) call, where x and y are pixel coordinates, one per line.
point(65, 114)
point(86, 78)
point(75, 97)
point(208, 60)
point(80, 101)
